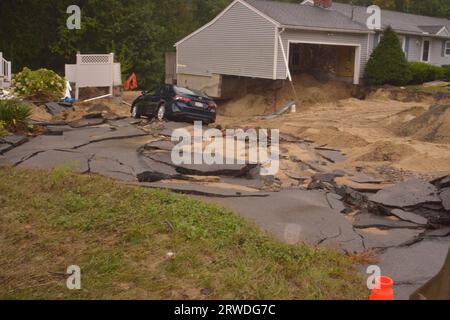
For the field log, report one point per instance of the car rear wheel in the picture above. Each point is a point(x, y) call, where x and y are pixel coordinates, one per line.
point(161, 113)
point(135, 113)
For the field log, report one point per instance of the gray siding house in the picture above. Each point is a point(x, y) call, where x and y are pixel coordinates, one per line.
point(258, 39)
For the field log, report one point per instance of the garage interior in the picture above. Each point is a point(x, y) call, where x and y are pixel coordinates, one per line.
point(324, 62)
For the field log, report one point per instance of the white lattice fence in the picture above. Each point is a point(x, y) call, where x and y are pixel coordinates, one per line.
point(94, 70)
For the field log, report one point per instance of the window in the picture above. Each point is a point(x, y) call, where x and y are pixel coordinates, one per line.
point(426, 48)
point(447, 48)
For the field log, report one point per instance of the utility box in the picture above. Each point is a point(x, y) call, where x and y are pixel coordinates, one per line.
point(94, 70)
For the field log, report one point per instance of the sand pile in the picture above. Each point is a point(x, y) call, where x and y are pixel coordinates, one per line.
point(309, 92)
point(386, 151)
point(431, 126)
point(331, 137)
point(402, 117)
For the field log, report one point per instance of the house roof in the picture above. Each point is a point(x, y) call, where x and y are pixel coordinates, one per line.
point(346, 17)
point(297, 15)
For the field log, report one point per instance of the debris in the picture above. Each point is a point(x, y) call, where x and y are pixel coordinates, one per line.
point(443, 182)
point(367, 220)
point(287, 107)
point(335, 202)
point(14, 140)
point(333, 156)
point(445, 196)
point(409, 216)
point(86, 122)
point(56, 108)
point(408, 194)
point(98, 98)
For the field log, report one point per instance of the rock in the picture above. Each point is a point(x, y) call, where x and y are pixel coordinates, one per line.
point(409, 216)
point(14, 140)
point(86, 122)
point(368, 220)
point(408, 194)
point(375, 238)
point(412, 266)
point(445, 196)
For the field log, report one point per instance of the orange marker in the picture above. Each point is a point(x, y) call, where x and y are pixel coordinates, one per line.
point(386, 291)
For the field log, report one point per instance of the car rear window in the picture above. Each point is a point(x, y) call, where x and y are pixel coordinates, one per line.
point(185, 91)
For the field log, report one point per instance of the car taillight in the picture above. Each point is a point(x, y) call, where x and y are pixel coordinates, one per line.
point(183, 99)
point(212, 105)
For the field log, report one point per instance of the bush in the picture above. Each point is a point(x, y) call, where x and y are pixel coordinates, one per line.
point(3, 131)
point(40, 84)
point(388, 64)
point(14, 114)
point(424, 72)
point(446, 72)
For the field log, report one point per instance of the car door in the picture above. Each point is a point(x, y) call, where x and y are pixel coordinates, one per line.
point(150, 102)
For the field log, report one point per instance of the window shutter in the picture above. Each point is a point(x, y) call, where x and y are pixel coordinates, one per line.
point(444, 43)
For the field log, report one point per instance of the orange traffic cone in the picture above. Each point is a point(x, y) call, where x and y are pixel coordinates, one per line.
point(385, 291)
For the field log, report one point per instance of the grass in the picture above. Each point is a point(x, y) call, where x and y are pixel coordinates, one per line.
point(120, 236)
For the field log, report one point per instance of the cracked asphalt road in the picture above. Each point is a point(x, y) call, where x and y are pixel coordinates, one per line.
point(292, 215)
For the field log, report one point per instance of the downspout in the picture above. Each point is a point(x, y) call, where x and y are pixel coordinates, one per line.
point(286, 62)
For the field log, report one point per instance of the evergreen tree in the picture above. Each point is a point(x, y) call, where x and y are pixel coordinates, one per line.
point(388, 64)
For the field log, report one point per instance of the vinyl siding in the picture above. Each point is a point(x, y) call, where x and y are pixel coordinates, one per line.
point(240, 43)
point(326, 37)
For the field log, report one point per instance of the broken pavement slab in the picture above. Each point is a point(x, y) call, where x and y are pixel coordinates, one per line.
point(408, 194)
point(375, 238)
point(332, 156)
point(82, 123)
point(445, 196)
point(409, 216)
point(368, 220)
point(14, 140)
point(412, 266)
point(55, 108)
point(297, 216)
point(335, 202)
point(52, 159)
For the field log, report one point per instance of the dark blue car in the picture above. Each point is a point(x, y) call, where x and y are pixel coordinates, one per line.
point(175, 103)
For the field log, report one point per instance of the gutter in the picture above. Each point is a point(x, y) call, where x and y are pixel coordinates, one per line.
point(327, 29)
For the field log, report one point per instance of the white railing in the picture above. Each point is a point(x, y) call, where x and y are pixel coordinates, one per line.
point(5, 71)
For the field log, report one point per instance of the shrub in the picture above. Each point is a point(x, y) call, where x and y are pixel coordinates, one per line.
point(40, 84)
point(14, 114)
point(424, 72)
point(3, 131)
point(446, 72)
point(388, 64)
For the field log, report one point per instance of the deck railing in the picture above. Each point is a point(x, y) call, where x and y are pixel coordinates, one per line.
point(5, 71)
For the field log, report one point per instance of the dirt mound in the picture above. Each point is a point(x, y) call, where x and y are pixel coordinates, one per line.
point(309, 92)
point(331, 137)
point(386, 151)
point(250, 105)
point(431, 126)
point(402, 117)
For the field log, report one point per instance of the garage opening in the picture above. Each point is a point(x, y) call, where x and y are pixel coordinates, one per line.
point(325, 62)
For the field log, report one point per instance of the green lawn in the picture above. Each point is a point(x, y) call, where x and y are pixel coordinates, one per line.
point(120, 236)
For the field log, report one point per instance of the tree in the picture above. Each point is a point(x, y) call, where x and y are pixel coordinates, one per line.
point(388, 64)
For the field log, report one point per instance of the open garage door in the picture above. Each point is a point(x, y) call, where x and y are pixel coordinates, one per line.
point(325, 61)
